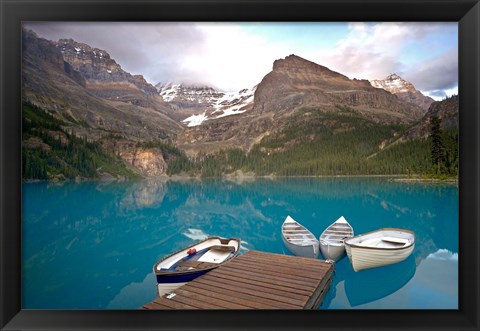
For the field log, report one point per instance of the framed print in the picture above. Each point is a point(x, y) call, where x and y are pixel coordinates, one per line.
point(240, 165)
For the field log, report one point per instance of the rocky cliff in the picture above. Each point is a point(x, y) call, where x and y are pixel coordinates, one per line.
point(447, 110)
point(38, 50)
point(148, 162)
point(105, 78)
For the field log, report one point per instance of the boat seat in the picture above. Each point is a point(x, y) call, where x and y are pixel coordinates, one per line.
point(186, 265)
point(223, 248)
point(217, 254)
point(396, 240)
point(372, 242)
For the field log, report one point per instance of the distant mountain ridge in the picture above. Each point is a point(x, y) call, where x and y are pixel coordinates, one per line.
point(298, 106)
point(395, 84)
point(295, 83)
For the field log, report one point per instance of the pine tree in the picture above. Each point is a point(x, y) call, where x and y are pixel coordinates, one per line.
point(438, 148)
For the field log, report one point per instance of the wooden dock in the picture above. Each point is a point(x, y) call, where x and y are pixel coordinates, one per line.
point(255, 280)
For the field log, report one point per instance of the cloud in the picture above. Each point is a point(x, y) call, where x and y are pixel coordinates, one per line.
point(437, 74)
point(218, 54)
point(369, 51)
point(152, 49)
point(436, 93)
point(230, 56)
point(373, 51)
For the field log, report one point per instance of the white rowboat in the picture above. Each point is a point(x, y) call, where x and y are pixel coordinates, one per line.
point(298, 239)
point(332, 239)
point(193, 261)
point(379, 248)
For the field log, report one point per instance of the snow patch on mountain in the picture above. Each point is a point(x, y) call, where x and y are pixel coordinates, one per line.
point(234, 103)
point(168, 91)
point(393, 84)
point(188, 93)
point(205, 102)
point(195, 120)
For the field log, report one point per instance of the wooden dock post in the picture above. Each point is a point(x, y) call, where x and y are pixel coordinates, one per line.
point(255, 280)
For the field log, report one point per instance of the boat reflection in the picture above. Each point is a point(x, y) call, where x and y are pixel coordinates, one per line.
point(373, 284)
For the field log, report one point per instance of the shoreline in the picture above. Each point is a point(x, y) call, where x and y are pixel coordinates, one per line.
point(398, 178)
point(426, 180)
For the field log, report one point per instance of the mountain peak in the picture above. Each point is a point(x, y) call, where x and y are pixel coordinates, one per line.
point(393, 76)
point(294, 61)
point(295, 58)
point(395, 84)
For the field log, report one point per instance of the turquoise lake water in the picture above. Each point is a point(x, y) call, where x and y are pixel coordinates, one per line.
point(92, 245)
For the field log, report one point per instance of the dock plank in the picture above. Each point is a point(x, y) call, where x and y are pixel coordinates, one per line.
point(302, 263)
point(296, 276)
point(193, 301)
point(240, 293)
point(313, 301)
point(289, 263)
point(254, 290)
point(255, 280)
point(155, 305)
point(207, 291)
point(221, 304)
point(271, 278)
point(264, 284)
point(293, 270)
point(172, 304)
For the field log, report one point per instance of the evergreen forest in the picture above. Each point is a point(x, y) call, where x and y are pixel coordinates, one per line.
point(318, 143)
point(49, 152)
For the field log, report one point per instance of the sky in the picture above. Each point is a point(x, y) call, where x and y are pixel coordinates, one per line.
point(233, 56)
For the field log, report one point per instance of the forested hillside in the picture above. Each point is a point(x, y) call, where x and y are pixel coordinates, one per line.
point(49, 152)
point(319, 143)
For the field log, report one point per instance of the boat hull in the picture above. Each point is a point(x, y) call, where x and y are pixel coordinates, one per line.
point(180, 277)
point(364, 258)
point(332, 252)
point(304, 251)
point(194, 261)
point(298, 239)
point(379, 248)
point(331, 241)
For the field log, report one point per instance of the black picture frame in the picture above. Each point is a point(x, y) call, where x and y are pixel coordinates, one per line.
point(13, 12)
